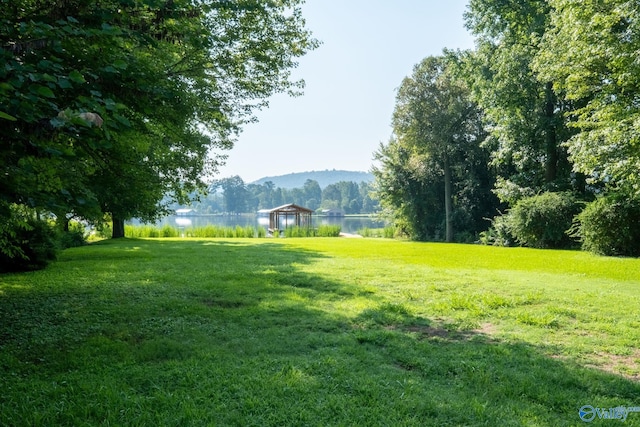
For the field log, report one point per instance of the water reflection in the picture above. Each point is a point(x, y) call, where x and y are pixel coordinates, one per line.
point(183, 222)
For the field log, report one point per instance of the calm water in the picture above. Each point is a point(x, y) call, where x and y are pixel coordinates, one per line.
point(348, 224)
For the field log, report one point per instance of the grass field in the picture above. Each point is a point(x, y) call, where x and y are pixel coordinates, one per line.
point(319, 332)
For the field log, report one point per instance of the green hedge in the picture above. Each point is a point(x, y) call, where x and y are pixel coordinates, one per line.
point(544, 221)
point(611, 226)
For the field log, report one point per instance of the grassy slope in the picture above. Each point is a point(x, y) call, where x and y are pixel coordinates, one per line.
point(318, 332)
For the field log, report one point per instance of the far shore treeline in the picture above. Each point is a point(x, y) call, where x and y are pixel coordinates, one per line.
point(232, 195)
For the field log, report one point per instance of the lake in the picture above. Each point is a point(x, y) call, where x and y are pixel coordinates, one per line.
point(348, 224)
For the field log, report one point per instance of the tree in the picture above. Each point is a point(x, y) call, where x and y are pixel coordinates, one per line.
point(93, 94)
point(369, 204)
point(350, 195)
point(525, 115)
point(268, 201)
point(409, 189)
point(235, 194)
point(591, 53)
point(312, 194)
point(332, 197)
point(437, 122)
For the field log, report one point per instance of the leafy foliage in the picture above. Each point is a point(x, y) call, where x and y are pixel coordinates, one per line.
point(591, 53)
point(433, 174)
point(525, 115)
point(76, 235)
point(410, 200)
point(26, 242)
point(543, 221)
point(109, 107)
point(610, 226)
point(499, 233)
point(558, 84)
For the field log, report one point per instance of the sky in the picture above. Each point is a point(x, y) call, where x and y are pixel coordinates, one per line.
point(368, 47)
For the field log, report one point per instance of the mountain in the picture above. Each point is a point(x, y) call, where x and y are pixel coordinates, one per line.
point(324, 178)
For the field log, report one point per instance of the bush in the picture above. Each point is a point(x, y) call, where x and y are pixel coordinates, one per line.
point(543, 221)
point(610, 226)
point(76, 236)
point(104, 230)
point(26, 243)
point(499, 234)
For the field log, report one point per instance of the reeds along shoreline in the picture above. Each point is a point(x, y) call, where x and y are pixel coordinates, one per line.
point(212, 231)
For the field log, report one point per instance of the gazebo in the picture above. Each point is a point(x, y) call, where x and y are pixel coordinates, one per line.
point(301, 216)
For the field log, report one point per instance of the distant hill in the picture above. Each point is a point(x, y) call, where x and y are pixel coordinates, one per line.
point(324, 178)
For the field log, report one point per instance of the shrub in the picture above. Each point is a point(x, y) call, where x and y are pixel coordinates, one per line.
point(543, 221)
point(499, 234)
point(76, 236)
point(610, 226)
point(105, 230)
point(26, 243)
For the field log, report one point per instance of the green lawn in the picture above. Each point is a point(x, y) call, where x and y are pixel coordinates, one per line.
point(324, 331)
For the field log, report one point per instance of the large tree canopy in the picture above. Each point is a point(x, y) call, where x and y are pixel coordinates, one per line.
point(432, 160)
point(524, 113)
point(591, 53)
point(106, 107)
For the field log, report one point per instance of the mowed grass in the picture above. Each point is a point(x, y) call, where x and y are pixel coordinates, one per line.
point(318, 332)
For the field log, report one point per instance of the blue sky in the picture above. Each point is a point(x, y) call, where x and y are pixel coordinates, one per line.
point(368, 47)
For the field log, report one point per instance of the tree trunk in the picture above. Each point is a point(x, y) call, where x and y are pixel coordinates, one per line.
point(551, 143)
point(448, 201)
point(62, 222)
point(118, 228)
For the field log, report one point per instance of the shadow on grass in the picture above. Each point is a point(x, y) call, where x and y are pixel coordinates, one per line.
point(237, 333)
point(502, 383)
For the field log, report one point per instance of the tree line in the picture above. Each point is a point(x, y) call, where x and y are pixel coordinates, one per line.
point(233, 195)
point(531, 138)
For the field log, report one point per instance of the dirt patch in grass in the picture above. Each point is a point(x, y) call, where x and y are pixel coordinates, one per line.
point(625, 365)
point(488, 329)
point(443, 332)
